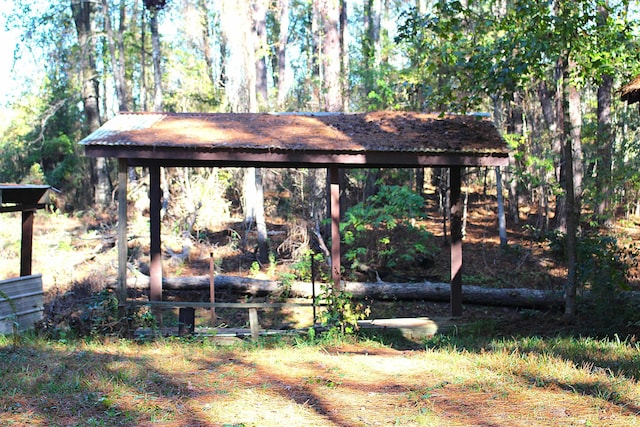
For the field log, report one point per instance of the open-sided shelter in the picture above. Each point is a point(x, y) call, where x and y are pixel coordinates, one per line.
point(307, 140)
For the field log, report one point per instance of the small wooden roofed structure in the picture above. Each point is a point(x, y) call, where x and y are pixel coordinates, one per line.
point(310, 140)
point(26, 199)
point(21, 298)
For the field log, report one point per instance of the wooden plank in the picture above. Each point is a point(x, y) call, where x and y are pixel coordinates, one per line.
point(21, 303)
point(245, 305)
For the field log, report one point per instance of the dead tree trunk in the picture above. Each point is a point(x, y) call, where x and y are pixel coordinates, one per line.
point(524, 298)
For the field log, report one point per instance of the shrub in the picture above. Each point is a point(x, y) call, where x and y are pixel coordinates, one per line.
point(381, 233)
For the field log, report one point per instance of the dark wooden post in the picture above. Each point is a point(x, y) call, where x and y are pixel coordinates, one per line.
point(455, 203)
point(155, 273)
point(186, 321)
point(26, 246)
point(122, 230)
point(334, 179)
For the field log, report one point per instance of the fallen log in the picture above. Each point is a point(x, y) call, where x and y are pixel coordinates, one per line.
point(431, 291)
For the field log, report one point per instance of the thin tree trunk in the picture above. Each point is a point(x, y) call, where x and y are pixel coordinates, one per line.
point(143, 61)
point(260, 36)
point(344, 56)
point(117, 59)
point(206, 41)
point(604, 142)
point(573, 192)
point(283, 17)
point(157, 59)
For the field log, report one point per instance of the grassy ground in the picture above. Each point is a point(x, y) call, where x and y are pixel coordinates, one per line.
point(460, 379)
point(504, 367)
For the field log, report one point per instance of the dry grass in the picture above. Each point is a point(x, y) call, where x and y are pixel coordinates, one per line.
point(453, 380)
point(196, 383)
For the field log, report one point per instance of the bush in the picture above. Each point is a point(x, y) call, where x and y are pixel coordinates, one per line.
point(381, 234)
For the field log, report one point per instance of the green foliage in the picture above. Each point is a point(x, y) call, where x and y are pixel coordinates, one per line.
point(381, 233)
point(342, 315)
point(302, 267)
point(604, 269)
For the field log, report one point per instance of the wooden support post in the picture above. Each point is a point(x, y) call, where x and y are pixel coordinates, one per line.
point(122, 230)
point(212, 289)
point(334, 179)
point(254, 324)
point(155, 204)
point(186, 321)
point(455, 202)
point(26, 245)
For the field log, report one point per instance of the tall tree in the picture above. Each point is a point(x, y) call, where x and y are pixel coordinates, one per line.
point(283, 37)
point(115, 41)
point(260, 42)
point(604, 138)
point(83, 17)
point(154, 7)
point(239, 32)
point(329, 14)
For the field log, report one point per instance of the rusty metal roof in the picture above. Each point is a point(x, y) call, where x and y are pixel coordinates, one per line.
point(631, 91)
point(364, 139)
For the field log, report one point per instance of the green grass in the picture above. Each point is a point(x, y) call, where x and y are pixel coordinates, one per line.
point(454, 379)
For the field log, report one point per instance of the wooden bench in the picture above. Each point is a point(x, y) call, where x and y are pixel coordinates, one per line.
point(187, 318)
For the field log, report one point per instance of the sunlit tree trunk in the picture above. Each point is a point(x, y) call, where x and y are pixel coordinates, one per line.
point(117, 57)
point(283, 18)
point(344, 56)
point(156, 54)
point(143, 60)
point(238, 30)
point(329, 12)
point(206, 40)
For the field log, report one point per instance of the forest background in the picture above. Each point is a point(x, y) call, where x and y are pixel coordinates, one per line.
point(546, 72)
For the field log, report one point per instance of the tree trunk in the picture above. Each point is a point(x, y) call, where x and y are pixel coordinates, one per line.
point(157, 59)
point(559, 146)
point(261, 46)
point(206, 41)
point(344, 56)
point(371, 43)
point(117, 58)
point(330, 60)
point(239, 32)
point(573, 193)
point(254, 212)
point(283, 17)
point(430, 291)
point(240, 84)
point(83, 18)
point(604, 142)
point(143, 61)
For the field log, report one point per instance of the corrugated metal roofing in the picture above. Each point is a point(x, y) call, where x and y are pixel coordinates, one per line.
point(381, 132)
